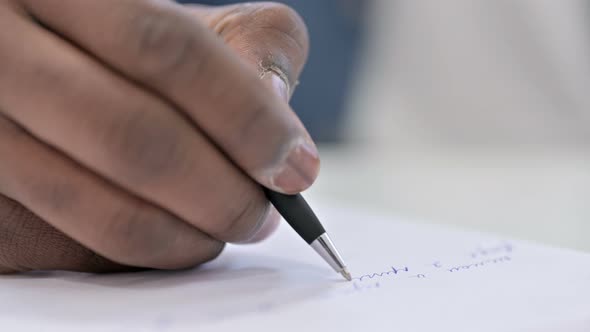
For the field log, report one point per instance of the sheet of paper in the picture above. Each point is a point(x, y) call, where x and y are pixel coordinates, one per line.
point(408, 277)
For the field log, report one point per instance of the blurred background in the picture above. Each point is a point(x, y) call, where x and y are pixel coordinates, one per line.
point(467, 112)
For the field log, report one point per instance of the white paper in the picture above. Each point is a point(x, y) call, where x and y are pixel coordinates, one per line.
point(408, 277)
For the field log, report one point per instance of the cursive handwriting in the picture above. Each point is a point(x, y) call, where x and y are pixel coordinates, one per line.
point(480, 264)
point(502, 252)
point(391, 271)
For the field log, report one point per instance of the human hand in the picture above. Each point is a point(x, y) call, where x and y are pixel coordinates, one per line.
point(136, 134)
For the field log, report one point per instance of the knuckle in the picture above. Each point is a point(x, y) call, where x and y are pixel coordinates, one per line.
point(240, 222)
point(145, 148)
point(163, 43)
point(145, 237)
point(136, 236)
point(57, 196)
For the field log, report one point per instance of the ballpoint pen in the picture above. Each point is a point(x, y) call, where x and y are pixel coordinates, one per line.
point(299, 215)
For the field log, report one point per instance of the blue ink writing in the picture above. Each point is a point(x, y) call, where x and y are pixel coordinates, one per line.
point(392, 271)
point(480, 264)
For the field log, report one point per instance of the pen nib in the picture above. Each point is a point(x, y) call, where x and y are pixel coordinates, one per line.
point(346, 274)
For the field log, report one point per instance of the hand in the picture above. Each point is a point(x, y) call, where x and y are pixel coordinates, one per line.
point(137, 134)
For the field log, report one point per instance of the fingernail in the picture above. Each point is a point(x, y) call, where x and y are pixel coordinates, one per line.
point(268, 227)
point(298, 170)
point(276, 84)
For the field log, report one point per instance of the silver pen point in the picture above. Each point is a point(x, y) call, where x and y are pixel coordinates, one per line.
point(346, 274)
point(325, 248)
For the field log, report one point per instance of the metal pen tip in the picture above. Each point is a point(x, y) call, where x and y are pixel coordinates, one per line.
point(324, 246)
point(346, 274)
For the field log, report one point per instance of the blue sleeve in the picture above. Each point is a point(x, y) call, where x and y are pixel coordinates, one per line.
point(335, 38)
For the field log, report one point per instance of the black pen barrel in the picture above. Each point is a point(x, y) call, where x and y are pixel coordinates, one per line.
point(297, 213)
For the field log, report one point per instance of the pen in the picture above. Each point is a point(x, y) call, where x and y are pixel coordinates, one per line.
point(299, 215)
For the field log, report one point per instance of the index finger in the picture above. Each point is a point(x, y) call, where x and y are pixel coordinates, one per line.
point(161, 45)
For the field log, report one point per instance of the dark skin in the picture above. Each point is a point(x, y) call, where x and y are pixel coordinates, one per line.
point(138, 133)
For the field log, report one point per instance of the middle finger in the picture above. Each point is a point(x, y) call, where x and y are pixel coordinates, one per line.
point(122, 132)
